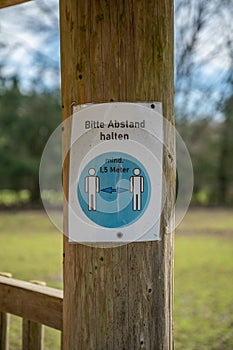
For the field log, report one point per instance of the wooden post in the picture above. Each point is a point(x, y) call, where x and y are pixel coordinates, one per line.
point(4, 323)
point(119, 298)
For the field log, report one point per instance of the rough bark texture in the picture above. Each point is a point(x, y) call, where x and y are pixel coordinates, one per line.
point(119, 298)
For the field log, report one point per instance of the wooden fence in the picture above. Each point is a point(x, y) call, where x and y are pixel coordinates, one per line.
point(36, 304)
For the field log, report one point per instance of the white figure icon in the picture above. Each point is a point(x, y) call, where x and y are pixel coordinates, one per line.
point(92, 187)
point(137, 187)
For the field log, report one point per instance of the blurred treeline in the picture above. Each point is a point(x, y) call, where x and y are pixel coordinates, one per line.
point(203, 96)
point(210, 144)
point(26, 122)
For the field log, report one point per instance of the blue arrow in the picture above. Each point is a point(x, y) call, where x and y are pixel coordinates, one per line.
point(121, 190)
point(108, 190)
point(111, 190)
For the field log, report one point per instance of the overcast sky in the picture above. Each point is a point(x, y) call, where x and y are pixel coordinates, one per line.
point(25, 43)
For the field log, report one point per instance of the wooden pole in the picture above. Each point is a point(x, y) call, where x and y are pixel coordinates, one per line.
point(119, 298)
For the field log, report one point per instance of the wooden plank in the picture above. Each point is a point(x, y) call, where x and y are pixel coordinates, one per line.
point(4, 322)
point(33, 333)
point(7, 3)
point(36, 303)
point(127, 49)
point(4, 331)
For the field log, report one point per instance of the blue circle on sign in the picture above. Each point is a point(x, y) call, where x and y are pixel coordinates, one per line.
point(114, 190)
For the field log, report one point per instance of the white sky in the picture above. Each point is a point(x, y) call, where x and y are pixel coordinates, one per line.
point(23, 43)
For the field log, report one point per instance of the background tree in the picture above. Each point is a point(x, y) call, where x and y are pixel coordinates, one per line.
point(29, 48)
point(204, 47)
point(203, 84)
point(225, 169)
point(26, 122)
point(204, 54)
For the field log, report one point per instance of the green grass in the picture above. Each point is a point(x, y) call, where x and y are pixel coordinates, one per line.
point(203, 293)
point(208, 220)
point(204, 281)
point(31, 248)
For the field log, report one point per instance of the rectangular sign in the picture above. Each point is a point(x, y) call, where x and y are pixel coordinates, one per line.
point(116, 173)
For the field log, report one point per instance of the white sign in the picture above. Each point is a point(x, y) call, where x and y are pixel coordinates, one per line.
point(116, 177)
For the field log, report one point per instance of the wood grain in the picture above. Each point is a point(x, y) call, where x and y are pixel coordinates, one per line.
point(32, 302)
point(4, 331)
point(33, 333)
point(119, 298)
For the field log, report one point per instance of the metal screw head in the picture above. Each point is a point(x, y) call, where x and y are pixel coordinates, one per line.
point(119, 234)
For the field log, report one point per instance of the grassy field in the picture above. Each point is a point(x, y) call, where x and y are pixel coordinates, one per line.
point(204, 281)
point(31, 248)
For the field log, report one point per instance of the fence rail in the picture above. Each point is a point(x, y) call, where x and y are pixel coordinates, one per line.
point(36, 304)
point(6, 3)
